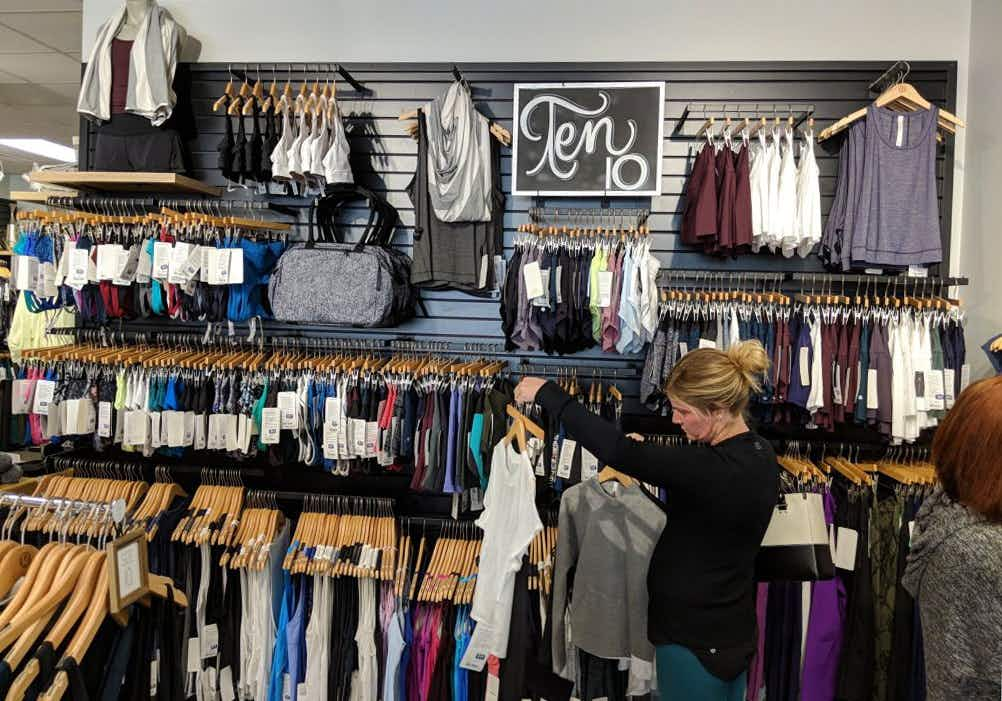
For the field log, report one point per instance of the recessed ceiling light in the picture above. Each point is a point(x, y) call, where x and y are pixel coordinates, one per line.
point(43, 147)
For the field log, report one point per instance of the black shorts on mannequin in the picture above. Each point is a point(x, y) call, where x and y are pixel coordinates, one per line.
point(128, 142)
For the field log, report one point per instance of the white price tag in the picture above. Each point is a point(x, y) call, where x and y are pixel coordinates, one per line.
point(44, 391)
point(358, 436)
point(22, 394)
point(128, 569)
point(108, 261)
point(566, 458)
point(544, 299)
point(219, 266)
point(229, 433)
point(189, 428)
point(589, 465)
point(872, 395)
point(77, 275)
point(707, 343)
point(918, 271)
point(271, 425)
point(235, 275)
point(144, 268)
point(192, 265)
point(137, 427)
point(286, 687)
point(845, 549)
point(289, 406)
point(331, 407)
point(104, 419)
point(47, 281)
point(26, 273)
point(805, 366)
point(949, 385)
point(604, 288)
point(556, 284)
point(154, 676)
point(204, 267)
point(483, 271)
point(178, 257)
point(128, 263)
point(194, 658)
point(533, 280)
point(156, 437)
point(175, 428)
point(200, 439)
point(161, 260)
point(935, 400)
point(330, 441)
point(63, 269)
point(965, 376)
point(214, 439)
point(226, 684)
point(210, 640)
point(371, 438)
point(302, 692)
point(683, 348)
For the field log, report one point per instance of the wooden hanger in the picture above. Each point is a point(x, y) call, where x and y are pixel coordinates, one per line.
point(609, 474)
point(903, 97)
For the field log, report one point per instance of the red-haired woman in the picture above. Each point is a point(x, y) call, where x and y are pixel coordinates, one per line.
point(955, 567)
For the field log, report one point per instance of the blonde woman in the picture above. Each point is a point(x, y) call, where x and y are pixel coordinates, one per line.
point(701, 616)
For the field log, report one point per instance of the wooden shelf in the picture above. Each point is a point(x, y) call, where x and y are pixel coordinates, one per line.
point(127, 182)
point(39, 197)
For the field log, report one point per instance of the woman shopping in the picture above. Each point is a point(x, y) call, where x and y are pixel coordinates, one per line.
point(721, 496)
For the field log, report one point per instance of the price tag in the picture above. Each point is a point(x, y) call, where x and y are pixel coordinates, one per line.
point(934, 398)
point(129, 265)
point(302, 692)
point(533, 280)
point(192, 265)
point(566, 458)
point(226, 684)
point(872, 395)
point(26, 273)
point(918, 271)
point(79, 262)
point(358, 436)
point(230, 435)
point(154, 676)
point(556, 284)
point(44, 391)
point(63, 269)
point(331, 410)
point(194, 658)
point(213, 441)
point(210, 640)
point(46, 286)
point(604, 288)
point(683, 348)
point(137, 427)
point(104, 419)
point(129, 574)
point(477, 651)
point(949, 385)
point(589, 465)
point(200, 433)
point(289, 406)
point(161, 260)
point(286, 688)
point(108, 257)
point(543, 300)
point(483, 271)
point(330, 441)
point(22, 394)
point(845, 549)
point(189, 428)
point(219, 266)
point(175, 428)
point(965, 376)
point(145, 266)
point(707, 343)
point(371, 439)
point(203, 273)
point(156, 438)
point(836, 387)
point(235, 275)
point(805, 366)
point(178, 257)
point(271, 425)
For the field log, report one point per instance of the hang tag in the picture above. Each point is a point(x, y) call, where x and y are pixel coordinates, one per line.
point(872, 394)
point(533, 280)
point(706, 343)
point(226, 685)
point(230, 433)
point(899, 139)
point(289, 407)
point(44, 391)
point(544, 299)
point(566, 458)
point(477, 651)
point(128, 265)
point(604, 288)
point(206, 263)
point(210, 640)
point(935, 399)
point(235, 275)
point(358, 437)
point(155, 435)
point(371, 438)
point(213, 440)
point(286, 687)
point(192, 265)
point(77, 275)
point(330, 441)
point(104, 419)
point(556, 284)
point(484, 261)
point(683, 348)
point(331, 406)
point(175, 428)
point(154, 676)
point(271, 425)
point(949, 386)
point(965, 376)
point(46, 285)
point(161, 260)
point(108, 261)
point(918, 271)
point(178, 257)
point(26, 273)
point(189, 428)
point(22, 396)
point(200, 433)
point(836, 387)
point(845, 549)
point(589, 465)
point(144, 268)
point(476, 499)
point(493, 688)
point(194, 665)
point(63, 269)
point(137, 427)
point(805, 366)
point(302, 692)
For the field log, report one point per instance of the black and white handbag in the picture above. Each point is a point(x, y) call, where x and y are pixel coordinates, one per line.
point(796, 546)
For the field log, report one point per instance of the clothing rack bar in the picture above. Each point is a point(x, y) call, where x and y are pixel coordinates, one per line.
point(799, 110)
point(737, 276)
point(53, 503)
point(114, 205)
point(351, 80)
point(601, 214)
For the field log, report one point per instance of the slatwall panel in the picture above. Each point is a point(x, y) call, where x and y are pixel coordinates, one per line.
point(384, 156)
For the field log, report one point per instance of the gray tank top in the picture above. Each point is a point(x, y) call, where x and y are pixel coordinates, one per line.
point(896, 220)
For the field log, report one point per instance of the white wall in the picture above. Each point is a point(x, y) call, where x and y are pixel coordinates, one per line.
point(981, 255)
point(241, 31)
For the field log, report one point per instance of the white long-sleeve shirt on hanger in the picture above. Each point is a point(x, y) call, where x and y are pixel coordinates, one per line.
point(786, 235)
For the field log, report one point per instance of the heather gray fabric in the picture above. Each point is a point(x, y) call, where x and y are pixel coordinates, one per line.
point(897, 214)
point(341, 284)
point(954, 572)
point(608, 540)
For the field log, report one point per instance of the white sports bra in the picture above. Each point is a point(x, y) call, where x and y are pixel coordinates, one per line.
point(295, 150)
point(318, 148)
point(279, 156)
point(337, 169)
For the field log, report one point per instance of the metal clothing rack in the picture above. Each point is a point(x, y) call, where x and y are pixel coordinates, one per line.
point(588, 216)
point(106, 204)
point(330, 68)
point(738, 277)
point(722, 110)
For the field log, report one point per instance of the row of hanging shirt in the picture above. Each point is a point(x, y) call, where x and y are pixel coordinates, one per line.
point(755, 198)
point(896, 370)
point(112, 270)
point(309, 147)
point(566, 294)
point(342, 421)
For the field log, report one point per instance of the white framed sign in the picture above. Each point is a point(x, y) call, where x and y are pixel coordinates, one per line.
point(579, 139)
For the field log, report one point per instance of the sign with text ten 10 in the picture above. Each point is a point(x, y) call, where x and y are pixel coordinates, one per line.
point(588, 138)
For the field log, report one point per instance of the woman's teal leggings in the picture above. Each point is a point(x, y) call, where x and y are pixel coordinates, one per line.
point(682, 677)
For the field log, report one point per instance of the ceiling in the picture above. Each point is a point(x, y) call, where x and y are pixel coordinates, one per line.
point(39, 74)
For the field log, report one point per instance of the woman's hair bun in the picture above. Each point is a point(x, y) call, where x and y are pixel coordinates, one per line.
point(749, 357)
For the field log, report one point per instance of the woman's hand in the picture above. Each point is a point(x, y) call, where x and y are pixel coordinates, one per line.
point(525, 391)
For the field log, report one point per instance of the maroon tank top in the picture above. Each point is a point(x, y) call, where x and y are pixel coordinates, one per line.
point(120, 57)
